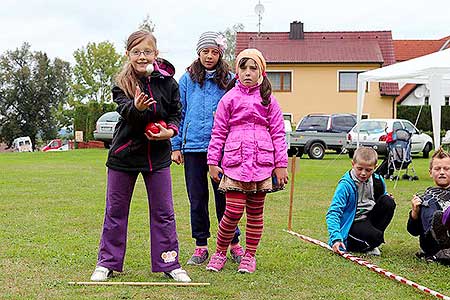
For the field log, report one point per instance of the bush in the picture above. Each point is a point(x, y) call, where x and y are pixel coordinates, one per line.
point(424, 122)
point(86, 115)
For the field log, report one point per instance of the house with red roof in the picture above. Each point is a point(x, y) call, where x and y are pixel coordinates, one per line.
point(316, 72)
point(418, 94)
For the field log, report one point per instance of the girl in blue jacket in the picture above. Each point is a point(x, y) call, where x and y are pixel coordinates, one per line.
point(201, 88)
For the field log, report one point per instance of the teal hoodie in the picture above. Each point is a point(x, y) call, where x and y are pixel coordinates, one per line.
point(341, 214)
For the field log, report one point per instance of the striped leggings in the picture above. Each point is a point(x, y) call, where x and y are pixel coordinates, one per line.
point(236, 202)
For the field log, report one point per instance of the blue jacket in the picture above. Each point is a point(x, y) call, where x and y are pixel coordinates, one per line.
point(199, 104)
point(341, 214)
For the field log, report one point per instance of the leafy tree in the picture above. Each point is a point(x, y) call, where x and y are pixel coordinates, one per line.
point(230, 36)
point(96, 65)
point(147, 24)
point(85, 115)
point(31, 89)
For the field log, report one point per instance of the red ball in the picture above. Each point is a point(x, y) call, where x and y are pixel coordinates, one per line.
point(151, 127)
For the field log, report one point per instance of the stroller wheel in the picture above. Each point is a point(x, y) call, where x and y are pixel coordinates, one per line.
point(406, 176)
point(415, 178)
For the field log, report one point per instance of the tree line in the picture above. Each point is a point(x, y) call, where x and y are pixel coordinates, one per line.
point(39, 96)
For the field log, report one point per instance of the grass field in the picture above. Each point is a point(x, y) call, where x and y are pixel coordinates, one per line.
point(51, 213)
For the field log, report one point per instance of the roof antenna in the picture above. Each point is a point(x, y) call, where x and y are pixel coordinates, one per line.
point(259, 10)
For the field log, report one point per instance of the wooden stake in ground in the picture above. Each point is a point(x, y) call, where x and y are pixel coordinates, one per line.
point(291, 196)
point(139, 283)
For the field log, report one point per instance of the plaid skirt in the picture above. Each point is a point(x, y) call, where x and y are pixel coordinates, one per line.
point(264, 186)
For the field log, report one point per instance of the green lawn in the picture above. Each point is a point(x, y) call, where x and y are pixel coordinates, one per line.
point(51, 213)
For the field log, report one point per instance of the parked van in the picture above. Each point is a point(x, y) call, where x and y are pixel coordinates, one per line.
point(22, 144)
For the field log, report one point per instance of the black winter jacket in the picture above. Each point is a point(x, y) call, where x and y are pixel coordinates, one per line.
point(131, 151)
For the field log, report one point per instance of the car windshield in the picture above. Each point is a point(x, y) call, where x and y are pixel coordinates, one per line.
point(310, 122)
point(373, 126)
point(109, 117)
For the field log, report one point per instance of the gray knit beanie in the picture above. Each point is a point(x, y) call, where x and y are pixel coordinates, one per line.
point(211, 39)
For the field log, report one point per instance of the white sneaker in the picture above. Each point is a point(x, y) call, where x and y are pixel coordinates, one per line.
point(101, 274)
point(179, 275)
point(375, 252)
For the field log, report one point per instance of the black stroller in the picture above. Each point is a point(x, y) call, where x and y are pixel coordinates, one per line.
point(398, 157)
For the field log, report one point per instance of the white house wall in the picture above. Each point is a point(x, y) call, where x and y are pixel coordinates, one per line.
point(422, 91)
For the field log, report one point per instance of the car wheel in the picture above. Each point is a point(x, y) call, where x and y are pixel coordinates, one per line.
point(316, 151)
point(107, 145)
point(426, 150)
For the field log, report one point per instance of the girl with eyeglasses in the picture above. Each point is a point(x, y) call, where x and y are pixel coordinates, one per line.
point(142, 97)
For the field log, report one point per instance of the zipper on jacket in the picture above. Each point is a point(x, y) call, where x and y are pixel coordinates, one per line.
point(123, 147)
point(151, 95)
point(148, 157)
point(185, 136)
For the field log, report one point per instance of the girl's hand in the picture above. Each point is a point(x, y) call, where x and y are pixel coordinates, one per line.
point(163, 134)
point(281, 175)
point(415, 207)
point(177, 157)
point(215, 172)
point(141, 100)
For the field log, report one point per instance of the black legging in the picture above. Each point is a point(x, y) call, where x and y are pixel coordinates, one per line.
point(367, 234)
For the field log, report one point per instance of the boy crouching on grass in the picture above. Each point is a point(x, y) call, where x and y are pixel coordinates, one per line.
point(429, 217)
point(361, 209)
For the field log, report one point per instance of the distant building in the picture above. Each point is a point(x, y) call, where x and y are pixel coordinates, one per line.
point(412, 94)
point(315, 72)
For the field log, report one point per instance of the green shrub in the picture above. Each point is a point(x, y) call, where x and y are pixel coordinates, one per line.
point(424, 121)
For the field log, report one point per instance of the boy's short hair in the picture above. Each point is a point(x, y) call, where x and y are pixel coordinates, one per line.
point(439, 154)
point(365, 154)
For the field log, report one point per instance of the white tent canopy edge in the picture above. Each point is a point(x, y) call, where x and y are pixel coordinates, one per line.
point(433, 70)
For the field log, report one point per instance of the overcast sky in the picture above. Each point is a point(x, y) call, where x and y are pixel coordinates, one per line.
point(59, 27)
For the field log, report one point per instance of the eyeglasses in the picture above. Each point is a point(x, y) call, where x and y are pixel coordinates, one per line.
point(138, 53)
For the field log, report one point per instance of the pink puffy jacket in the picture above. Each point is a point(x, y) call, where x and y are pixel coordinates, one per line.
point(248, 139)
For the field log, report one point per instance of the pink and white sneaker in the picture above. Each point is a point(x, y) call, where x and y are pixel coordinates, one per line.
point(248, 264)
point(217, 262)
point(236, 253)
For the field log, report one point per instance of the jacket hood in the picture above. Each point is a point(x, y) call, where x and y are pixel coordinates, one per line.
point(163, 67)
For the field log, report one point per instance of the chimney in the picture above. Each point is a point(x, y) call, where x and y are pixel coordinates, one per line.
point(296, 32)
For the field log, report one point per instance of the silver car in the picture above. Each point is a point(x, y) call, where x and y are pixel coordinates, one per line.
point(373, 133)
point(105, 127)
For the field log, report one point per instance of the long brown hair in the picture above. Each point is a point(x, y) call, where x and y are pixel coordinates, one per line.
point(127, 78)
point(265, 89)
point(197, 73)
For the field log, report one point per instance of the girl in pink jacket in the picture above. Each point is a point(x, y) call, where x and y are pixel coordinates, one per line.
point(248, 142)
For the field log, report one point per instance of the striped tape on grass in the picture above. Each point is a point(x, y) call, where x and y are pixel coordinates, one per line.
point(371, 266)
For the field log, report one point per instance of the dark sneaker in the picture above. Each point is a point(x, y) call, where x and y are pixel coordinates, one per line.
point(236, 253)
point(439, 231)
point(443, 256)
point(200, 256)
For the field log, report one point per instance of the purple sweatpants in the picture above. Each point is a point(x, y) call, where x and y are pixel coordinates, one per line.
point(163, 235)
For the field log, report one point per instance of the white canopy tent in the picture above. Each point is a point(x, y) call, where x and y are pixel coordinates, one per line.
point(433, 70)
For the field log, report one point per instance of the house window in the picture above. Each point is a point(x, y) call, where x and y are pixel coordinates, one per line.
point(427, 101)
point(281, 81)
point(348, 81)
point(446, 101)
